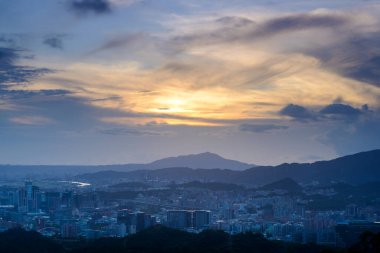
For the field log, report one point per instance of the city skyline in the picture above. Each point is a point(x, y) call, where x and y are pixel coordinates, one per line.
point(134, 81)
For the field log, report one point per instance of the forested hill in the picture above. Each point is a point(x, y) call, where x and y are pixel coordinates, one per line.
point(160, 239)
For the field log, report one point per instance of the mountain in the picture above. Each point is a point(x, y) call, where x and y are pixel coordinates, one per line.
point(286, 184)
point(353, 169)
point(203, 160)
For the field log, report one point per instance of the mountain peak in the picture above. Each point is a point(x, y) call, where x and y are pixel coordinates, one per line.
point(205, 160)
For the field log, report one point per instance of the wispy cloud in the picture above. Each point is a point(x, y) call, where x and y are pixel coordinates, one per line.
point(31, 120)
point(54, 42)
point(261, 128)
point(12, 73)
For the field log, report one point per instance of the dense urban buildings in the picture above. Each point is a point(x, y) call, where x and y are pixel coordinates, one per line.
point(90, 211)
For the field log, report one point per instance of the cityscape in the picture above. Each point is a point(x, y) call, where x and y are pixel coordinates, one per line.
point(189, 126)
point(117, 207)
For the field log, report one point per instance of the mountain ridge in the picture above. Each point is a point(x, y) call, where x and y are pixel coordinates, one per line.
point(206, 160)
point(354, 169)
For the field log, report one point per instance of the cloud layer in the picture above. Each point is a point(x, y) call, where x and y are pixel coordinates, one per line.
point(203, 74)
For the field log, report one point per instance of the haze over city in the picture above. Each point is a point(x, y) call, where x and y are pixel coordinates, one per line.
point(127, 81)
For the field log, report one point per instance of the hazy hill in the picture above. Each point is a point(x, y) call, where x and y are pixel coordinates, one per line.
point(199, 161)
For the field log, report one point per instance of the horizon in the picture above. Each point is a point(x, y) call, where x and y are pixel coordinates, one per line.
point(99, 82)
point(187, 155)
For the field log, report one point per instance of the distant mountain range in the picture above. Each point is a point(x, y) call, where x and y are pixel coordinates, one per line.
point(199, 161)
point(353, 169)
point(205, 160)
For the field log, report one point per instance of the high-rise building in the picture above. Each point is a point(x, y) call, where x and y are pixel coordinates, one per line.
point(135, 221)
point(201, 218)
point(188, 218)
point(28, 198)
point(179, 219)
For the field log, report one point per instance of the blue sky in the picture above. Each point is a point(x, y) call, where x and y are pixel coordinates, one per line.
point(117, 81)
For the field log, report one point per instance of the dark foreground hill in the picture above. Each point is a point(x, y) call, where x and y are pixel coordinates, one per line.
point(160, 239)
point(354, 169)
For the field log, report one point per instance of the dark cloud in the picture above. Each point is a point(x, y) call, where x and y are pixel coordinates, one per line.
point(90, 6)
point(298, 22)
point(367, 71)
point(297, 112)
point(356, 57)
point(261, 128)
point(341, 109)
point(335, 111)
point(11, 73)
point(6, 93)
point(54, 42)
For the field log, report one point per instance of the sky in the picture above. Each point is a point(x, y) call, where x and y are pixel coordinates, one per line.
point(122, 81)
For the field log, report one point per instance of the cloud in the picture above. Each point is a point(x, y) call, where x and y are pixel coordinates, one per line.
point(356, 56)
point(367, 71)
point(244, 30)
point(340, 109)
point(335, 111)
point(11, 73)
point(297, 22)
point(130, 131)
point(6, 40)
point(261, 128)
point(297, 112)
point(31, 120)
point(90, 6)
point(132, 41)
point(6, 93)
point(234, 21)
point(54, 42)
point(359, 135)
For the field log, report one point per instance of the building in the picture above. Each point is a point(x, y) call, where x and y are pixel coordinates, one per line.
point(28, 198)
point(182, 219)
point(135, 221)
point(179, 219)
point(201, 219)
